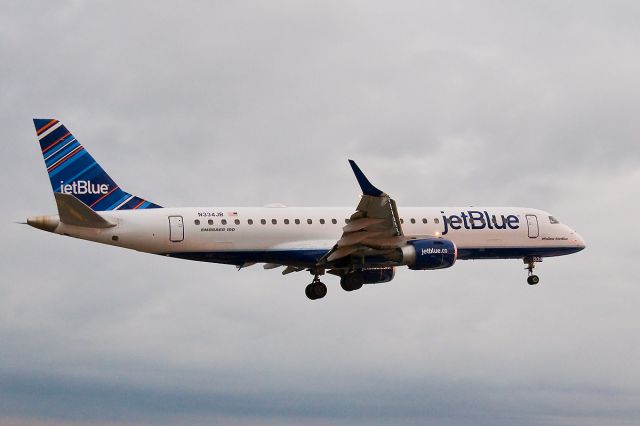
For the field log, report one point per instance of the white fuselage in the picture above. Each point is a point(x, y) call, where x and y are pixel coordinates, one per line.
point(239, 235)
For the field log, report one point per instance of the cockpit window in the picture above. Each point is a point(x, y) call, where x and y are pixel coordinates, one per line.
point(553, 220)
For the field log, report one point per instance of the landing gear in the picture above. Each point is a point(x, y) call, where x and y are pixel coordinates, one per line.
point(316, 290)
point(531, 263)
point(351, 281)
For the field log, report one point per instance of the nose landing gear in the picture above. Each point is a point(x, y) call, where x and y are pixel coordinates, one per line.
point(531, 263)
point(316, 290)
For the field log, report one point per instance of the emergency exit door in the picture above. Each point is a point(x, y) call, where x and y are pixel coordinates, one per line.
point(532, 224)
point(176, 229)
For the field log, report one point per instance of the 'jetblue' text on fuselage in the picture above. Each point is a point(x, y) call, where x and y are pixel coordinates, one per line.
point(474, 219)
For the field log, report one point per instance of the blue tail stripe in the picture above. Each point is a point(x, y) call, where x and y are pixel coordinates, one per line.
point(52, 137)
point(131, 203)
point(39, 122)
point(108, 200)
point(82, 175)
point(54, 149)
point(119, 201)
point(67, 149)
point(67, 163)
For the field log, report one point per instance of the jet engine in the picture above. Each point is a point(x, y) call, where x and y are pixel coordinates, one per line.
point(433, 253)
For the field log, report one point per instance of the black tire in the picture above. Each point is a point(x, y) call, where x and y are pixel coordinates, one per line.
point(351, 282)
point(346, 283)
point(357, 283)
point(319, 290)
point(345, 286)
point(533, 280)
point(309, 292)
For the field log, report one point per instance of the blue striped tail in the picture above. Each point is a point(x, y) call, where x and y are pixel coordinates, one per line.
point(72, 170)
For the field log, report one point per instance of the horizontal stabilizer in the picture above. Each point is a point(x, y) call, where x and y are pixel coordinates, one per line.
point(74, 212)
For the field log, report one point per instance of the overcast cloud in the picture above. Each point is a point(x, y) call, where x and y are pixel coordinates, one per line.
point(249, 103)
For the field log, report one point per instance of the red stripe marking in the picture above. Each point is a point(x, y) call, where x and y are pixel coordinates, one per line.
point(46, 126)
point(103, 197)
point(50, 146)
point(139, 204)
point(65, 158)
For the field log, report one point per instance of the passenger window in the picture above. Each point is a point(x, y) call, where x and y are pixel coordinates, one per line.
point(436, 220)
point(297, 221)
point(401, 220)
point(224, 221)
point(274, 221)
point(237, 221)
point(286, 221)
point(250, 221)
point(334, 221)
point(210, 221)
point(424, 220)
point(413, 220)
point(346, 221)
point(322, 221)
point(309, 221)
point(262, 221)
point(197, 221)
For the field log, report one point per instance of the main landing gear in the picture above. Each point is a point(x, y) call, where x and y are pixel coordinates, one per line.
point(531, 263)
point(316, 290)
point(351, 281)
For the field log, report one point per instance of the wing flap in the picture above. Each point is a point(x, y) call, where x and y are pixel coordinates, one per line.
point(341, 252)
point(360, 224)
point(356, 237)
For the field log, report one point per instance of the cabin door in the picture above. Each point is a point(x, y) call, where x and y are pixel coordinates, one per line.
point(176, 229)
point(532, 224)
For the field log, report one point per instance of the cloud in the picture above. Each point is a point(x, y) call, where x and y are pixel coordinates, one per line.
point(218, 103)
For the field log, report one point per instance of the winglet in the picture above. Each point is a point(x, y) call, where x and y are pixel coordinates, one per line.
point(367, 187)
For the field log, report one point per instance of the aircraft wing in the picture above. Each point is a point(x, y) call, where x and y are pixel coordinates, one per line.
point(374, 228)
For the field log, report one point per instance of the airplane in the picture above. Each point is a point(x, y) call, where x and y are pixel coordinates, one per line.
point(361, 246)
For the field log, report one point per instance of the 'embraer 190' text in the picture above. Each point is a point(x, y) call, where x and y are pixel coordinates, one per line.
point(81, 187)
point(474, 219)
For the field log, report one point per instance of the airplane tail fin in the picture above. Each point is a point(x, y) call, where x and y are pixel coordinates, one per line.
point(72, 170)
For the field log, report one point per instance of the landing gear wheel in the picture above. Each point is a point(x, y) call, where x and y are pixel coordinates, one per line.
point(351, 281)
point(531, 263)
point(533, 280)
point(316, 290)
point(307, 292)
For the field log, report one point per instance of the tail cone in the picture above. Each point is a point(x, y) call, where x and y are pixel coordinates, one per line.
point(46, 223)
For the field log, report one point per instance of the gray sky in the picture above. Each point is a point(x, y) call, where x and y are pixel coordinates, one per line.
point(249, 103)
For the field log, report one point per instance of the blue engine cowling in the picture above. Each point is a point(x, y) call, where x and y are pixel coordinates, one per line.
point(433, 253)
point(377, 275)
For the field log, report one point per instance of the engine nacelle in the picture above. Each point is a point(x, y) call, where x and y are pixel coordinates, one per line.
point(354, 280)
point(434, 253)
point(377, 275)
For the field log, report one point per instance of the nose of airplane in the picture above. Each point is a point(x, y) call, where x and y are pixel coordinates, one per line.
point(579, 241)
